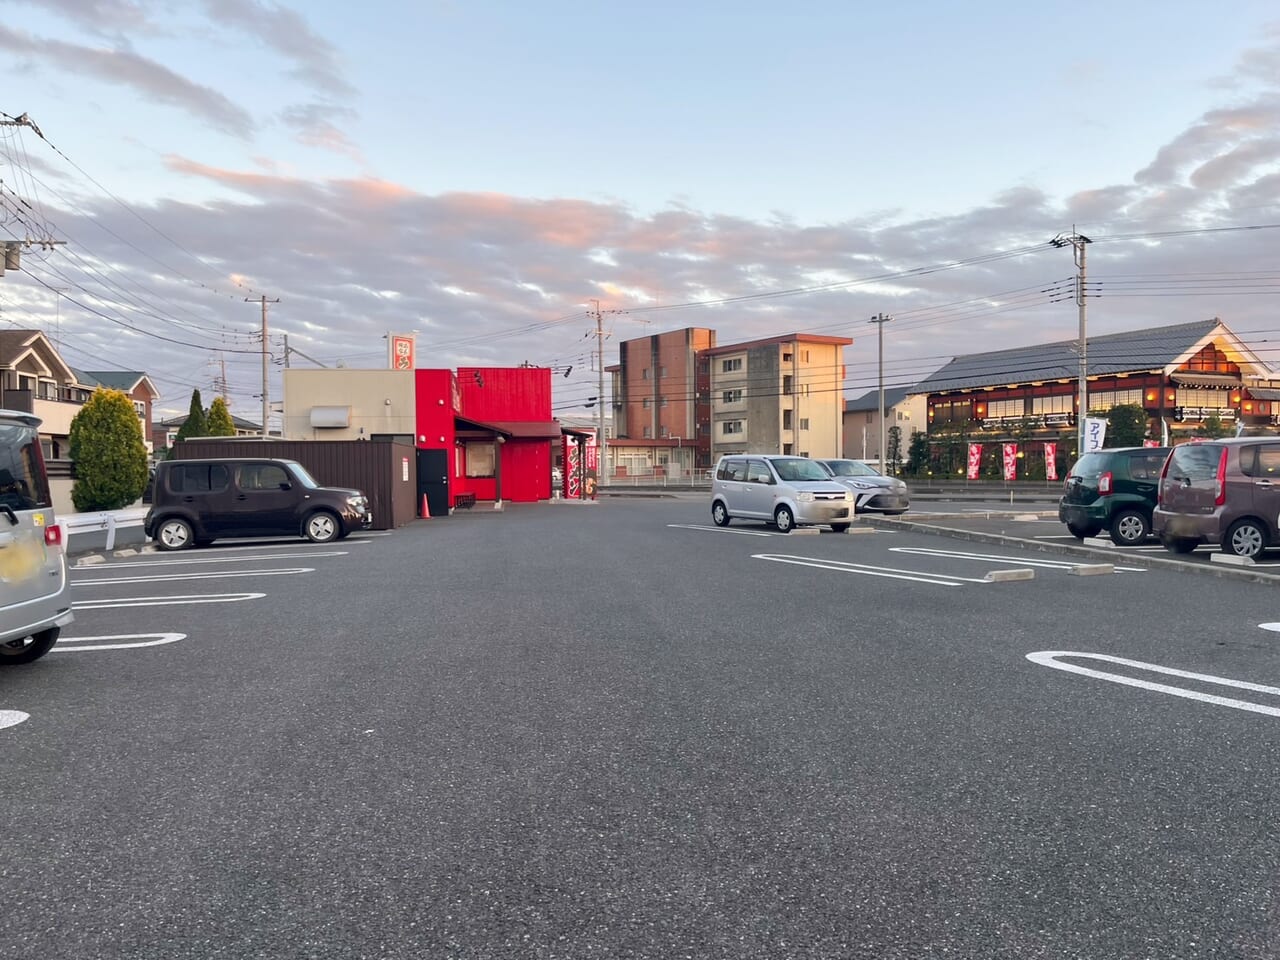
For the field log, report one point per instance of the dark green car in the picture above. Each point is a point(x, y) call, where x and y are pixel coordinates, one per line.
point(1113, 490)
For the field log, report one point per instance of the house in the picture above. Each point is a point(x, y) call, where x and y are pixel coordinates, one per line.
point(35, 379)
point(1180, 375)
point(164, 433)
point(903, 408)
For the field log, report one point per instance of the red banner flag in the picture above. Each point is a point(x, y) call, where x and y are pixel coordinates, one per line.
point(975, 460)
point(1051, 461)
point(1010, 461)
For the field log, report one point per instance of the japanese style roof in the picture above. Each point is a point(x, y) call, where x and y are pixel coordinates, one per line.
point(1154, 348)
point(867, 402)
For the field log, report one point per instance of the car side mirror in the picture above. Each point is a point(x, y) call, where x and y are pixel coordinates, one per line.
point(286, 485)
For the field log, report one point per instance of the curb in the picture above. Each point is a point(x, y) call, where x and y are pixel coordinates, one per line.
point(1094, 554)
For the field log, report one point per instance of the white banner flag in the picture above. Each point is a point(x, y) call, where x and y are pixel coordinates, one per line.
point(1095, 432)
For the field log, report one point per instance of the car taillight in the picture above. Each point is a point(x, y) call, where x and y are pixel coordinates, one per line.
point(1164, 472)
point(1221, 496)
point(53, 536)
point(1104, 482)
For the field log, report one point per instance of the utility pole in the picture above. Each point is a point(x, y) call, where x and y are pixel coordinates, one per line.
point(880, 320)
point(1078, 243)
point(266, 401)
point(601, 468)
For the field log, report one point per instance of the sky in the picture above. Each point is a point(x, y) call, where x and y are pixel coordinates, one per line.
point(480, 173)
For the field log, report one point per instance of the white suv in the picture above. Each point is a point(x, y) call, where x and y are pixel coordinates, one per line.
point(788, 491)
point(34, 601)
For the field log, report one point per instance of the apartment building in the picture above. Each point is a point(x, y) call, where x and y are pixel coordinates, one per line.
point(681, 400)
point(779, 395)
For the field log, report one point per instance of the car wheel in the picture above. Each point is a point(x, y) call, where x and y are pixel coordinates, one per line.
point(784, 519)
point(1180, 544)
point(1129, 527)
point(894, 513)
point(1080, 532)
point(720, 514)
point(1245, 538)
point(321, 527)
point(839, 527)
point(174, 533)
point(29, 648)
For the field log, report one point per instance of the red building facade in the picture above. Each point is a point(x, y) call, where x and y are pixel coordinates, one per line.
point(484, 434)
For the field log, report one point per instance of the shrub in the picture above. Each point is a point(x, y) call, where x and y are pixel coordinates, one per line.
point(110, 456)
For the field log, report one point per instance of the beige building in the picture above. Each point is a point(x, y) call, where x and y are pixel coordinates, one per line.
point(907, 412)
point(349, 405)
point(782, 395)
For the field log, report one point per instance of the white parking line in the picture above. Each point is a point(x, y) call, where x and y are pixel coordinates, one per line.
point(840, 566)
point(180, 600)
point(11, 718)
point(961, 555)
point(1051, 658)
point(146, 640)
point(198, 560)
point(166, 578)
point(741, 533)
point(1273, 627)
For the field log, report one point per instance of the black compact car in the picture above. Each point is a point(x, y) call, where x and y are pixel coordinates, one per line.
point(1113, 490)
point(194, 502)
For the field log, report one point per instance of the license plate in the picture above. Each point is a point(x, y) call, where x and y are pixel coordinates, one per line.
point(21, 561)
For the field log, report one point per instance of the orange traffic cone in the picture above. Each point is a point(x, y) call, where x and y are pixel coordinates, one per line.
point(426, 511)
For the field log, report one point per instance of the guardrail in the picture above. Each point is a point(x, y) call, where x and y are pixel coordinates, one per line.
point(108, 520)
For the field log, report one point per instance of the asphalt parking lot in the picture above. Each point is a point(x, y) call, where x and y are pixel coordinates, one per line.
point(617, 730)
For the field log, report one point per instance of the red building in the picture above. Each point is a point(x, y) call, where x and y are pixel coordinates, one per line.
point(484, 434)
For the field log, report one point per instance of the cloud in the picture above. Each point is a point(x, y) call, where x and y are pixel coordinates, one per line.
point(148, 78)
point(102, 17)
point(314, 126)
point(286, 31)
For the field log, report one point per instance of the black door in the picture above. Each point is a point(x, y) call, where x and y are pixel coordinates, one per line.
point(433, 481)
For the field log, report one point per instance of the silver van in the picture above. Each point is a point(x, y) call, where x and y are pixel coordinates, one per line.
point(35, 603)
point(788, 491)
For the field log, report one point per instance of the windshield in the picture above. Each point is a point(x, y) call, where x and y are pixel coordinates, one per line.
point(304, 478)
point(791, 469)
point(851, 468)
point(23, 485)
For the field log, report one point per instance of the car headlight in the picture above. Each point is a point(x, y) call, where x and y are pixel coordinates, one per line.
point(863, 485)
point(805, 496)
point(848, 495)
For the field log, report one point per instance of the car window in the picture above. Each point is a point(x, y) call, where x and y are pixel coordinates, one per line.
point(850, 468)
point(757, 472)
point(262, 476)
point(1146, 467)
point(1267, 463)
point(1196, 461)
point(797, 469)
point(734, 470)
point(1090, 465)
point(198, 477)
point(22, 482)
point(303, 476)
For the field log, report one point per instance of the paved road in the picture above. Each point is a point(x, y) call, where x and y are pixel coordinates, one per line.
point(616, 731)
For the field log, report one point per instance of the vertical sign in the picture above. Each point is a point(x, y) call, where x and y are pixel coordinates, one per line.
point(1011, 461)
point(1051, 461)
point(975, 460)
point(404, 469)
point(401, 351)
point(1095, 432)
point(572, 482)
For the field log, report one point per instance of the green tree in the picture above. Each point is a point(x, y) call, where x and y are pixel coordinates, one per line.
point(194, 425)
point(1213, 427)
point(893, 449)
point(219, 423)
point(1126, 426)
point(917, 453)
point(110, 457)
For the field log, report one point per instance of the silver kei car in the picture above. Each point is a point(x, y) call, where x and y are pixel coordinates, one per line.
point(873, 490)
point(788, 491)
